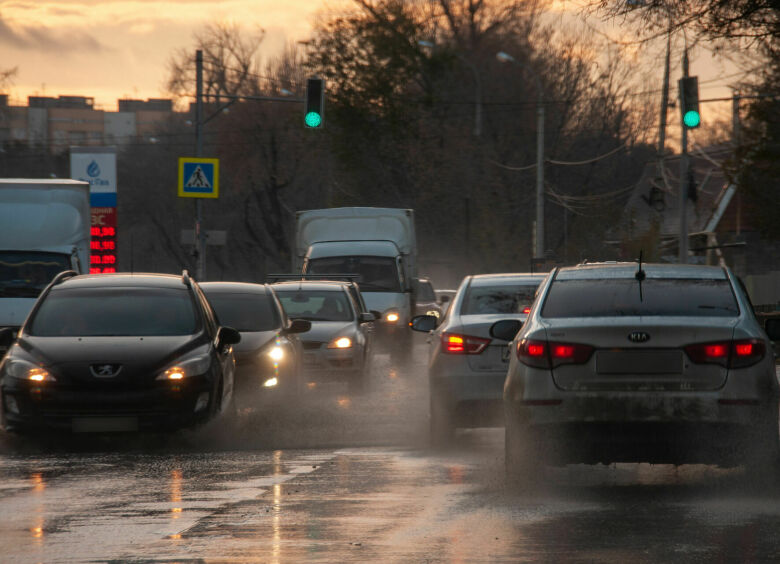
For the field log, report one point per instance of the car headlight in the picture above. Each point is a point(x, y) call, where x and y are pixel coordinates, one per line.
point(340, 343)
point(432, 312)
point(276, 353)
point(25, 370)
point(392, 317)
point(186, 368)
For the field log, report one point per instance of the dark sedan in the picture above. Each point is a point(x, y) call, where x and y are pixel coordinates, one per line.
point(118, 352)
point(269, 358)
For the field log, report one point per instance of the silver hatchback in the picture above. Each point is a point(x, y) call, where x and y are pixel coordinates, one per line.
point(624, 363)
point(467, 366)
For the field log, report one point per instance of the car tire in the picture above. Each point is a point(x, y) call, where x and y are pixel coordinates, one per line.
point(522, 457)
point(442, 423)
point(763, 459)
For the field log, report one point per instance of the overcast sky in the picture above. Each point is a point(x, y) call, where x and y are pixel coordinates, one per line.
point(111, 49)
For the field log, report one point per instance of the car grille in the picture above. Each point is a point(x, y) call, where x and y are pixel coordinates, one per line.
point(312, 345)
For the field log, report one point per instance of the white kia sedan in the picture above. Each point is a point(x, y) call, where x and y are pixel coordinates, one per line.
point(620, 362)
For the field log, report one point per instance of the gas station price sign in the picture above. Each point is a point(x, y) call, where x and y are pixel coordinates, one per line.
point(103, 241)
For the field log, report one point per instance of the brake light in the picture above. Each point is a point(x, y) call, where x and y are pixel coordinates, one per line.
point(543, 354)
point(452, 343)
point(526, 310)
point(729, 354)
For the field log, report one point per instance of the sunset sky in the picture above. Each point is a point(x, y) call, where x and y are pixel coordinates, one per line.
point(110, 49)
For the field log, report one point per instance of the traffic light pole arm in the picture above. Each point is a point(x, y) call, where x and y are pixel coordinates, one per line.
point(261, 98)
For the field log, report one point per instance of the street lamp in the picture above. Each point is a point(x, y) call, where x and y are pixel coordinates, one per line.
point(539, 247)
point(477, 84)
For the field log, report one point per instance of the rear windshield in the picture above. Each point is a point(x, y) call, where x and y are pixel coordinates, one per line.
point(103, 312)
point(498, 299)
point(622, 297)
point(245, 312)
point(315, 305)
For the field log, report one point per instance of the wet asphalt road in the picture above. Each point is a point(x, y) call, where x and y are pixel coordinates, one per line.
point(351, 479)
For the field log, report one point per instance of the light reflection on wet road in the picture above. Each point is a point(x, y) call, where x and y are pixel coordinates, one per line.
point(307, 486)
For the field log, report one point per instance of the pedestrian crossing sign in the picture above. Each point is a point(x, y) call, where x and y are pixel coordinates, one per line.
point(198, 178)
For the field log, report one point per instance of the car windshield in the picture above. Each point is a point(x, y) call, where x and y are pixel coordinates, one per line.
point(425, 292)
point(315, 305)
point(375, 274)
point(658, 296)
point(245, 312)
point(116, 311)
point(25, 274)
point(498, 299)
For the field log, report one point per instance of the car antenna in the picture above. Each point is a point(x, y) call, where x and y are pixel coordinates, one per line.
point(640, 275)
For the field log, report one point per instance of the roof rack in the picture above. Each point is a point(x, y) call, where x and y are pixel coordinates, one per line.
point(64, 275)
point(185, 277)
point(319, 277)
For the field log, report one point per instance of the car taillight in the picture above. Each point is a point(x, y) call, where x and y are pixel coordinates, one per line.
point(527, 310)
point(543, 354)
point(453, 343)
point(730, 354)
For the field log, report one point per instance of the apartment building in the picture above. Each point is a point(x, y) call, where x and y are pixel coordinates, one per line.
point(61, 122)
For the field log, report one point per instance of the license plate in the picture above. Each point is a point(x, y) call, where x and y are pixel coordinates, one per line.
point(104, 424)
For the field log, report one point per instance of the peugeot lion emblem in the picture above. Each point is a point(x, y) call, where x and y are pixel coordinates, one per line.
point(638, 337)
point(105, 370)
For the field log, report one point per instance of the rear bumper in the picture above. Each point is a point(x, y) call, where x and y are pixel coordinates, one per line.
point(164, 407)
point(661, 428)
point(473, 398)
point(651, 442)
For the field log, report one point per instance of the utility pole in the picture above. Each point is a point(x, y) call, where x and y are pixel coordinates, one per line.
point(664, 100)
point(200, 234)
point(684, 164)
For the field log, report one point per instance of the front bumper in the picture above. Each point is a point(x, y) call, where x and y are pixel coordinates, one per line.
point(324, 364)
point(165, 406)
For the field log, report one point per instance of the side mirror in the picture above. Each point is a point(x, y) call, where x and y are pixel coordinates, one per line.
point(377, 314)
point(228, 336)
point(506, 329)
point(366, 317)
point(772, 328)
point(423, 323)
point(298, 326)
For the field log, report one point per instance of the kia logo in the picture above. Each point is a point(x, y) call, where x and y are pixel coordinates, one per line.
point(105, 370)
point(638, 337)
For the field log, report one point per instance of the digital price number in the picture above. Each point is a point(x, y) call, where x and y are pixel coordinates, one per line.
point(103, 241)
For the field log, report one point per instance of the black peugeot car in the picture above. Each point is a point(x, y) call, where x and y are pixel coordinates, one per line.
point(118, 352)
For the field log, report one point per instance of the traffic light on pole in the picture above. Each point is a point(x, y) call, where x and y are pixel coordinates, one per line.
point(689, 101)
point(314, 105)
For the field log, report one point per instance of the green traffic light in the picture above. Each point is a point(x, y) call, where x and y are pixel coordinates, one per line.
point(691, 119)
point(313, 119)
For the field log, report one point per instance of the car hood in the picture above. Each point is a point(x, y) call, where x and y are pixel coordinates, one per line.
point(70, 358)
point(322, 331)
point(252, 341)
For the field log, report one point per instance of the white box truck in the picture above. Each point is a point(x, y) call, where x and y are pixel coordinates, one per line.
point(379, 246)
point(44, 229)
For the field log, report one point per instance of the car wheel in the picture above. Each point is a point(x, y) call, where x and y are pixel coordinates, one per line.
point(442, 423)
point(763, 459)
point(522, 458)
